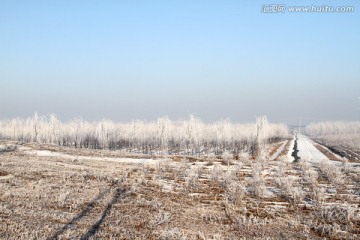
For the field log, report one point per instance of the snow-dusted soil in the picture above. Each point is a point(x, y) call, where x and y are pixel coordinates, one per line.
point(46, 153)
point(47, 194)
point(308, 152)
point(279, 150)
point(290, 158)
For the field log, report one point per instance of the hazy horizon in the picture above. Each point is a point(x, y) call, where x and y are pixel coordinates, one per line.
point(215, 59)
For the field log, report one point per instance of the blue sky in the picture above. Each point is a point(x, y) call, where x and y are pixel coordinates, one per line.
point(126, 60)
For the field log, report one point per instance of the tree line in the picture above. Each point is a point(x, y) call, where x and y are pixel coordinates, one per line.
point(163, 136)
point(336, 133)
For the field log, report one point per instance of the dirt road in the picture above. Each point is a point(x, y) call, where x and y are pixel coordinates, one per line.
point(308, 152)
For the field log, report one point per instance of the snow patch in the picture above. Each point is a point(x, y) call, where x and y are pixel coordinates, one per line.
point(279, 150)
point(46, 153)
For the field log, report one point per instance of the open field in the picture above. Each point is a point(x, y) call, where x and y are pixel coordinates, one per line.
point(53, 192)
point(341, 138)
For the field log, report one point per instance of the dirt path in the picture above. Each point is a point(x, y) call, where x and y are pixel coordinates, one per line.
point(95, 210)
point(279, 150)
point(308, 152)
point(46, 153)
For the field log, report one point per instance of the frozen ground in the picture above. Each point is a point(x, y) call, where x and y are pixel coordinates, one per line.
point(308, 151)
point(49, 192)
point(46, 153)
point(279, 150)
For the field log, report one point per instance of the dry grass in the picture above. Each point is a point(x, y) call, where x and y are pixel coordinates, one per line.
point(57, 198)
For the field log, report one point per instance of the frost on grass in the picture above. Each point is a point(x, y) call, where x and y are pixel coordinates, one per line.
point(50, 197)
point(333, 174)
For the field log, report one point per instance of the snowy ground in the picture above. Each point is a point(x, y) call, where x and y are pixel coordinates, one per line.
point(308, 152)
point(55, 193)
point(46, 153)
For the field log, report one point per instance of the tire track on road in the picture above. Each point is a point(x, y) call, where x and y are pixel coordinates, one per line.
point(76, 225)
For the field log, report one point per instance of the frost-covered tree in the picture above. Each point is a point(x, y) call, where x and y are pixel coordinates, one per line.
point(336, 133)
point(190, 136)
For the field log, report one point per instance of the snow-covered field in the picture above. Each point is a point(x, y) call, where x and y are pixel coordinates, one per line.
point(52, 192)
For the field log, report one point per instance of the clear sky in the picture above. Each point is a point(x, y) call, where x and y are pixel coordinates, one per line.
point(127, 60)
